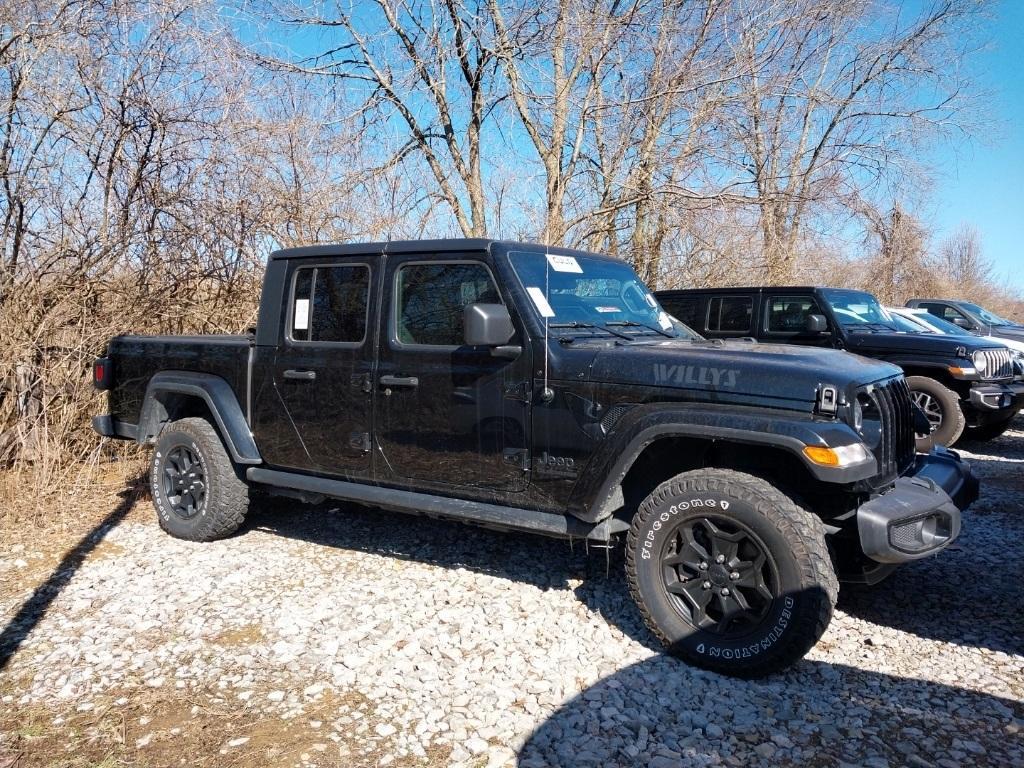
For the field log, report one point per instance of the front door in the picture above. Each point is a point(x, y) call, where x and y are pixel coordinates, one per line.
point(447, 414)
point(324, 366)
point(785, 320)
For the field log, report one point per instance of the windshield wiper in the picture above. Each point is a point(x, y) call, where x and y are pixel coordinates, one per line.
point(577, 324)
point(634, 324)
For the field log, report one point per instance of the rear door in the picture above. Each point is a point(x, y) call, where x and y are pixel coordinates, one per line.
point(684, 307)
point(729, 315)
point(324, 367)
point(447, 414)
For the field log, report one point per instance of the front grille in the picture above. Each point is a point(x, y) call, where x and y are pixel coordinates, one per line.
point(1000, 364)
point(896, 446)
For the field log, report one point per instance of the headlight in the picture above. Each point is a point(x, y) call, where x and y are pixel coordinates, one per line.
point(980, 361)
point(867, 419)
point(840, 456)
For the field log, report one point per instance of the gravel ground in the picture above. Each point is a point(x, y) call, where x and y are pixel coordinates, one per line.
point(378, 638)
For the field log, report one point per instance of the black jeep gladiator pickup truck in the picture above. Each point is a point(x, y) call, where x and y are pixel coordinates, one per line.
point(965, 385)
point(545, 390)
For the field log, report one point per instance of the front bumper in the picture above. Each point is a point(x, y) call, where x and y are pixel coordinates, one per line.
point(989, 398)
point(920, 515)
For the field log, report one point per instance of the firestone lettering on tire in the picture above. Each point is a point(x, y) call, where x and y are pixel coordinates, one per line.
point(675, 509)
point(156, 489)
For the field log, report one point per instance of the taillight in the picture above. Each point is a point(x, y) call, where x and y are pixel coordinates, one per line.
point(101, 373)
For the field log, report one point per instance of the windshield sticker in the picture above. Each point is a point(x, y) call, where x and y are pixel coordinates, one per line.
point(665, 321)
point(564, 263)
point(540, 302)
point(301, 315)
point(608, 309)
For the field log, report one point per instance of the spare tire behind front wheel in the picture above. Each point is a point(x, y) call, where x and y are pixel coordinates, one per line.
point(730, 573)
point(942, 407)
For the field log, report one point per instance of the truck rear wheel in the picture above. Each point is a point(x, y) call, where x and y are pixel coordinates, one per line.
point(942, 407)
point(196, 492)
point(731, 574)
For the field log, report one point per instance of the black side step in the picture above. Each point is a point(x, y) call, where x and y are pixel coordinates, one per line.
point(488, 515)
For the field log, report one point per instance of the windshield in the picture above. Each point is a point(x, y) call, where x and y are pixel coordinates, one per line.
point(990, 318)
point(858, 310)
point(585, 292)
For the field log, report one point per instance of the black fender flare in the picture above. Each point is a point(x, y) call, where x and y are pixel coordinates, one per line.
point(598, 493)
point(219, 398)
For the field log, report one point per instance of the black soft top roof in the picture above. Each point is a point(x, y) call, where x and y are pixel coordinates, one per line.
point(750, 289)
point(452, 245)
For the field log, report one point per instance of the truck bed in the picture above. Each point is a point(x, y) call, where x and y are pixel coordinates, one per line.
point(136, 359)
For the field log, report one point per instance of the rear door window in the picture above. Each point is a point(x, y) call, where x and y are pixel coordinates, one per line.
point(329, 304)
point(730, 314)
point(685, 309)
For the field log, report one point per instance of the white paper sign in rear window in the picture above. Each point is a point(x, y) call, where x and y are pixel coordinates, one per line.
point(564, 263)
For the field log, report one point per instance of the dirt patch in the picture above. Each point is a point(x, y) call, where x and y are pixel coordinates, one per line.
point(249, 634)
point(157, 729)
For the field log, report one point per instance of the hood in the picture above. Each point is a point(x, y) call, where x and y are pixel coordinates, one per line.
point(772, 371)
point(918, 343)
point(1007, 332)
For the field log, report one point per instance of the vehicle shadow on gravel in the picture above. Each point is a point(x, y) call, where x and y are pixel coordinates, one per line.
point(661, 713)
point(595, 574)
point(35, 607)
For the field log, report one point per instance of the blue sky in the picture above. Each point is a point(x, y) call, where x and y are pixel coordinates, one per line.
point(981, 182)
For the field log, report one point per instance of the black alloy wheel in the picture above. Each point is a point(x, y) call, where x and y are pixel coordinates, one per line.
point(719, 575)
point(184, 482)
point(931, 408)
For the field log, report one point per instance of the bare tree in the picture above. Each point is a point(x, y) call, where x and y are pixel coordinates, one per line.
point(963, 263)
point(899, 268)
point(835, 97)
point(552, 57)
point(651, 131)
point(421, 64)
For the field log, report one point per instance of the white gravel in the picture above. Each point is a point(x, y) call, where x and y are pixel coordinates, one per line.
point(510, 649)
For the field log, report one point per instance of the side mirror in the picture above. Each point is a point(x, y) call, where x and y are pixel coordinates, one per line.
point(963, 322)
point(487, 325)
point(816, 324)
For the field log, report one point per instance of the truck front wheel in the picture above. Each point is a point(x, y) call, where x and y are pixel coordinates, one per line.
point(942, 407)
point(730, 573)
point(197, 493)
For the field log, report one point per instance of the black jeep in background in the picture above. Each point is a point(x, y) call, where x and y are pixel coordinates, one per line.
point(971, 318)
point(965, 385)
point(545, 390)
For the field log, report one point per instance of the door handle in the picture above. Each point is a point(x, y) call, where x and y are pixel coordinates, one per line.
point(291, 373)
point(399, 381)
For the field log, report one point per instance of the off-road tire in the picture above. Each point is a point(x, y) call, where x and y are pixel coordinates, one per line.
point(806, 584)
point(226, 500)
point(953, 421)
point(989, 431)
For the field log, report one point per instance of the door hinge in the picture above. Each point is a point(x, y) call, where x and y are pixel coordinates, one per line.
point(519, 457)
point(520, 391)
point(360, 441)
